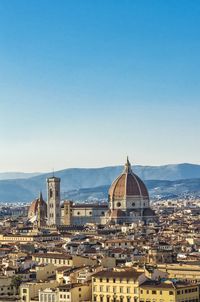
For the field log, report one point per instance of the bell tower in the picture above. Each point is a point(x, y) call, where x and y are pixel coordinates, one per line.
point(53, 197)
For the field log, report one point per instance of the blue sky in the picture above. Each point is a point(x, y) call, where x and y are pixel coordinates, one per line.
point(84, 83)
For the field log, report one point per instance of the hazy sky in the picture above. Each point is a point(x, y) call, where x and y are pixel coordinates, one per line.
point(84, 83)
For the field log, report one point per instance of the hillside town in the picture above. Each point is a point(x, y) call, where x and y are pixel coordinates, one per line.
point(127, 250)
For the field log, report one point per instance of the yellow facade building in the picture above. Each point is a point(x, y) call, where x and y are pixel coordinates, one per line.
point(57, 259)
point(62, 259)
point(181, 271)
point(30, 290)
point(116, 285)
point(168, 291)
point(134, 286)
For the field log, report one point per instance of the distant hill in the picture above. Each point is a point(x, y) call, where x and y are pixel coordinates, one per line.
point(158, 189)
point(159, 180)
point(16, 175)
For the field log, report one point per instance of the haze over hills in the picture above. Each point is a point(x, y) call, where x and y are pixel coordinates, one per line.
point(158, 189)
point(80, 184)
point(16, 175)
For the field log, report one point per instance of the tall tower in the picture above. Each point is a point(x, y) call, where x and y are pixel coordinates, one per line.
point(53, 196)
point(39, 216)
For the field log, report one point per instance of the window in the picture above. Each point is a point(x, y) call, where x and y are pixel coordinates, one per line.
point(128, 290)
point(108, 299)
point(101, 299)
point(160, 292)
point(171, 293)
point(50, 193)
point(121, 299)
point(113, 280)
point(78, 213)
point(79, 289)
point(118, 204)
point(121, 289)
point(141, 291)
point(128, 299)
point(153, 292)
point(133, 204)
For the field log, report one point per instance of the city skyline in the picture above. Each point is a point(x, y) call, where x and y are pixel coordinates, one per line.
point(84, 84)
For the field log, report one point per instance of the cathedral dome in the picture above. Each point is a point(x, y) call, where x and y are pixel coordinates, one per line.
point(33, 209)
point(127, 184)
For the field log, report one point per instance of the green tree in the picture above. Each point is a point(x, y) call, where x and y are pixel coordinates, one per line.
point(16, 281)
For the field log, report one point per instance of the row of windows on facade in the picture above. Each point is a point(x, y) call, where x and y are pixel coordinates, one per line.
point(48, 297)
point(179, 292)
point(67, 290)
point(119, 243)
point(55, 261)
point(128, 299)
point(155, 292)
point(114, 280)
point(128, 290)
point(162, 300)
point(90, 213)
point(113, 289)
point(114, 299)
point(8, 288)
point(133, 204)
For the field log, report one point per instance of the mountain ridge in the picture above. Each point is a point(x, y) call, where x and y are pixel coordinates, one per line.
point(26, 189)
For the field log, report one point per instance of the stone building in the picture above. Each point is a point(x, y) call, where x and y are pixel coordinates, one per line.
point(128, 201)
point(53, 205)
point(128, 198)
point(37, 212)
point(80, 214)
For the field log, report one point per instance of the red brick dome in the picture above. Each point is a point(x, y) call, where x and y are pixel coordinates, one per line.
point(33, 209)
point(128, 184)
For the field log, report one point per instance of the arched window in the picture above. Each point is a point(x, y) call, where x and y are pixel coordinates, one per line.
point(50, 193)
